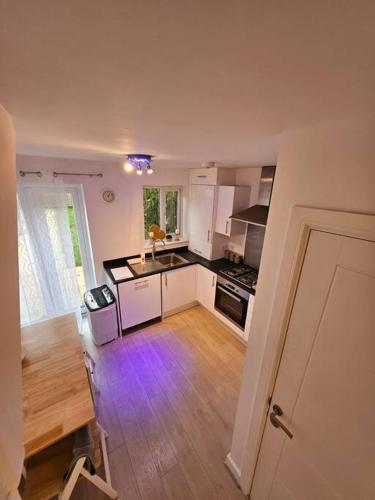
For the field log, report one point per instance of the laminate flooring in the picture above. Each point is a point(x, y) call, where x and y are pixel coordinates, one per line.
point(168, 396)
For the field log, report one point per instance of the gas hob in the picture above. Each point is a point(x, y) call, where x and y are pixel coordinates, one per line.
point(243, 274)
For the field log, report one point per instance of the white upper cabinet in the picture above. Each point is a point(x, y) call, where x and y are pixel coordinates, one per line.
point(201, 214)
point(206, 286)
point(213, 176)
point(178, 289)
point(230, 200)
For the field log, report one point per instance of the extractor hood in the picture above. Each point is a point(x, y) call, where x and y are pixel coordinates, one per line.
point(258, 214)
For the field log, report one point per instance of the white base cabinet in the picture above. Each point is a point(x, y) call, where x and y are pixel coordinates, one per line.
point(178, 289)
point(172, 291)
point(140, 300)
point(206, 286)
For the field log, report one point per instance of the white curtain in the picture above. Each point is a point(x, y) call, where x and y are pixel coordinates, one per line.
point(48, 281)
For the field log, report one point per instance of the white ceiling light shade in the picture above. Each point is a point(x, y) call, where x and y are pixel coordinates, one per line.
point(128, 167)
point(138, 162)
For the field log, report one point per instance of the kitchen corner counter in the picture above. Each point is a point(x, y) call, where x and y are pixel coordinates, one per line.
point(214, 266)
point(192, 258)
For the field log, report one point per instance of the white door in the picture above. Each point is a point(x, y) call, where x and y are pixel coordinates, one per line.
point(201, 211)
point(325, 385)
point(225, 198)
point(140, 300)
point(206, 286)
point(178, 289)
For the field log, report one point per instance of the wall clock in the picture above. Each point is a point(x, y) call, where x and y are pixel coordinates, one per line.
point(108, 195)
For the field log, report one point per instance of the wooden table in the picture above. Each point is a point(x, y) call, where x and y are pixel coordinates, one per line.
point(56, 392)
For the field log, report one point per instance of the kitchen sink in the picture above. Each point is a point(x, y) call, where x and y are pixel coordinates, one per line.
point(158, 264)
point(170, 260)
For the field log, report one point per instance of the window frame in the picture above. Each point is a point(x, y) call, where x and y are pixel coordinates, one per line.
point(163, 190)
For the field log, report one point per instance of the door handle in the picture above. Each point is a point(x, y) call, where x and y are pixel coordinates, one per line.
point(277, 412)
point(226, 227)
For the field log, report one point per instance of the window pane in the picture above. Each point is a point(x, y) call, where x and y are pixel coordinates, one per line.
point(151, 207)
point(171, 211)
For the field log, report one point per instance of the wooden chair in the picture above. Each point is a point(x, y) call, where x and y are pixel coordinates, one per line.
point(45, 471)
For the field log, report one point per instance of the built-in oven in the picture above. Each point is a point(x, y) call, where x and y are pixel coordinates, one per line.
point(232, 301)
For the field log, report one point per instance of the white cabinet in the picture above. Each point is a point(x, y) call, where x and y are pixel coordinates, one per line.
point(230, 200)
point(213, 176)
point(201, 213)
point(249, 316)
point(206, 286)
point(140, 300)
point(178, 289)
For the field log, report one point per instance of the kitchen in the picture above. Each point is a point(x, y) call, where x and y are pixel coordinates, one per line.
point(185, 308)
point(213, 275)
point(163, 336)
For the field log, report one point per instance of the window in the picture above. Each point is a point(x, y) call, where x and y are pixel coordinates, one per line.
point(162, 206)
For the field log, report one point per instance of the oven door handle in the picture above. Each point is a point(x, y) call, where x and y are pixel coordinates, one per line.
point(228, 293)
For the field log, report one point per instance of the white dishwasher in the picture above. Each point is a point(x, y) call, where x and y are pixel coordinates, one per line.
point(140, 300)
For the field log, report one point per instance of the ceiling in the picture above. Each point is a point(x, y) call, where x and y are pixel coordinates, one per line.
point(187, 81)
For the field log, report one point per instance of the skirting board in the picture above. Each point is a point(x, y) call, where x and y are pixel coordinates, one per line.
point(233, 469)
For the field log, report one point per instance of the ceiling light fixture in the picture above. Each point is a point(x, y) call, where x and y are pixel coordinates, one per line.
point(128, 167)
point(138, 162)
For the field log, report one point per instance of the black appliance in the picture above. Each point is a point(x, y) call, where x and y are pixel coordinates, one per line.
point(243, 274)
point(231, 300)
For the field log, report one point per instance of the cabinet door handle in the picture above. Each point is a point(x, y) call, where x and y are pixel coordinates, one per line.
point(213, 280)
point(201, 176)
point(208, 235)
point(141, 282)
point(141, 285)
point(226, 227)
point(166, 279)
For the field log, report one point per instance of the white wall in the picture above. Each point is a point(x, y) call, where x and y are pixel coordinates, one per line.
point(11, 442)
point(331, 166)
point(116, 229)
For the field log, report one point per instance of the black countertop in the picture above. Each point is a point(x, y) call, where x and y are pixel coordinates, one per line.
point(214, 266)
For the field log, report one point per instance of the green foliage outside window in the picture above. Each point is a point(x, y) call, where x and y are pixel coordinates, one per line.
point(151, 206)
point(161, 207)
point(171, 210)
point(74, 233)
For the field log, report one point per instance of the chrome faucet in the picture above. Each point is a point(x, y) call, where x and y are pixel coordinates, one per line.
point(154, 247)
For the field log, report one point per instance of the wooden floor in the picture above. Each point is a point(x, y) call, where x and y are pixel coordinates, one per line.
point(168, 396)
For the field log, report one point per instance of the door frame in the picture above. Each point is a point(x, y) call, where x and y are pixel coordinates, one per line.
point(302, 221)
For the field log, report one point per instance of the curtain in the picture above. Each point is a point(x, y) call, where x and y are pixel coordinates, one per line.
point(48, 281)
